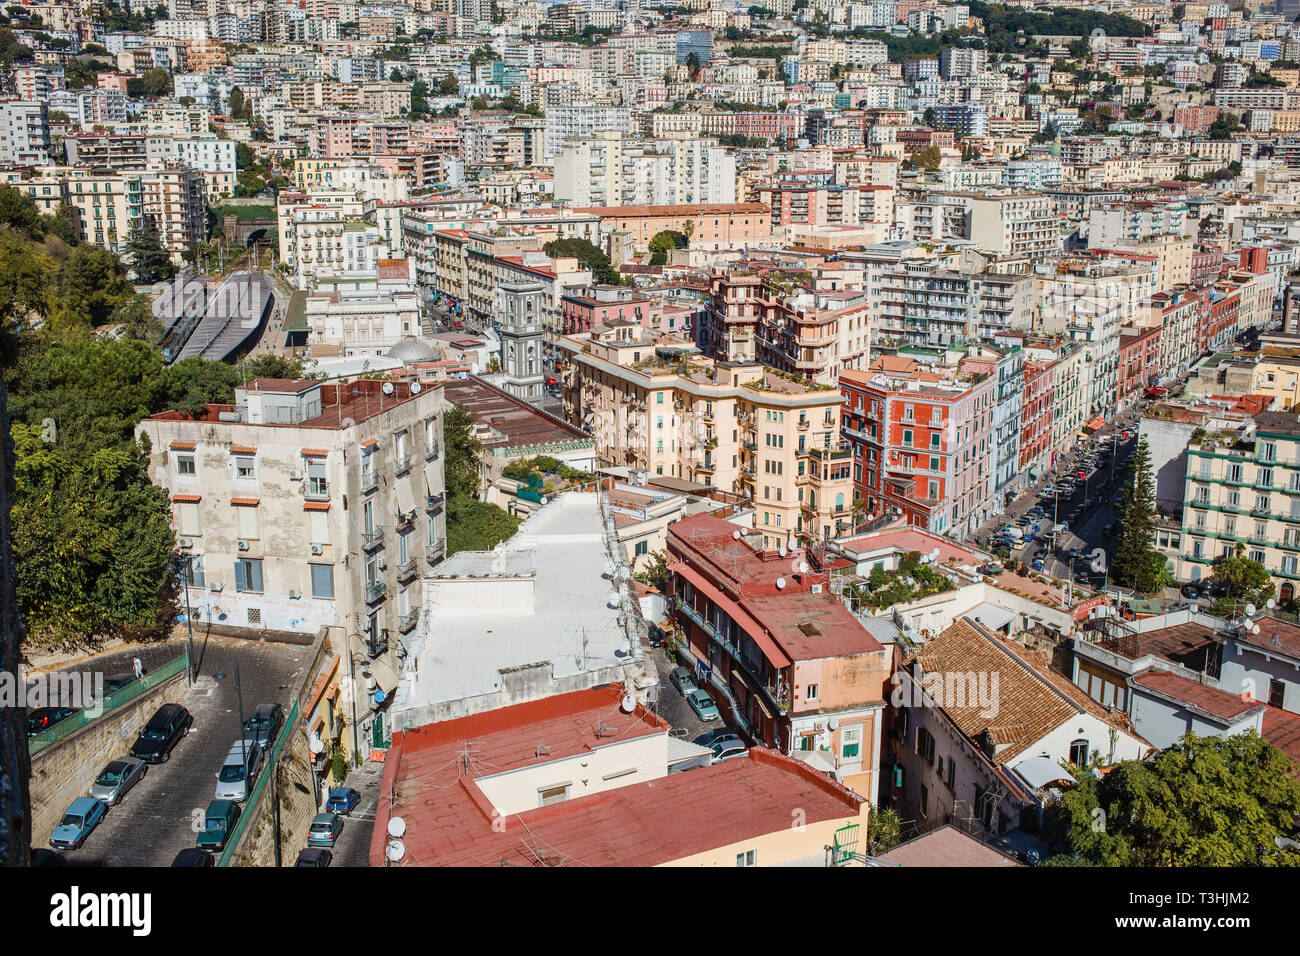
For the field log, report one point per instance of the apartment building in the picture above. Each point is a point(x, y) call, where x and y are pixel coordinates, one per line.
point(791, 665)
point(656, 405)
point(611, 169)
point(710, 227)
point(1245, 493)
point(362, 312)
point(1020, 224)
point(924, 443)
point(170, 201)
point(305, 505)
point(24, 133)
point(324, 233)
point(1139, 363)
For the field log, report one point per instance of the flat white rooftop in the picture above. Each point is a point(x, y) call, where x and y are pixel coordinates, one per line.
point(528, 620)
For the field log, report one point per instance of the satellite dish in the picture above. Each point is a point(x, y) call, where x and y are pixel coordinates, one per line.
point(780, 549)
point(1270, 604)
point(614, 600)
point(416, 388)
point(388, 388)
point(803, 567)
point(315, 744)
point(735, 535)
point(395, 851)
point(1254, 629)
point(833, 723)
point(396, 827)
point(780, 583)
point(1250, 610)
point(628, 704)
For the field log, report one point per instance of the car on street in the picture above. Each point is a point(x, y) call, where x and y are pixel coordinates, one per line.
point(325, 830)
point(1037, 564)
point(117, 778)
point(711, 737)
point(314, 857)
point(218, 823)
point(728, 750)
point(681, 679)
point(43, 718)
point(239, 770)
point(1190, 591)
point(193, 856)
point(703, 705)
point(77, 822)
point(342, 800)
point(552, 381)
point(162, 733)
point(264, 724)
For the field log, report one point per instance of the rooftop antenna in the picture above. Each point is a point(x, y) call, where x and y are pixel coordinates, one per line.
point(543, 749)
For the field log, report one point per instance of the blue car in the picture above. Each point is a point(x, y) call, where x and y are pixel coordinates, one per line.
point(82, 816)
point(325, 830)
point(703, 705)
point(342, 800)
point(1036, 564)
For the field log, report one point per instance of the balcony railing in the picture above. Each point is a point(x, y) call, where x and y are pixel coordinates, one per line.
point(406, 569)
point(316, 492)
point(833, 453)
point(375, 591)
point(407, 622)
point(436, 551)
point(401, 465)
point(369, 479)
point(377, 645)
point(372, 539)
point(434, 502)
point(431, 452)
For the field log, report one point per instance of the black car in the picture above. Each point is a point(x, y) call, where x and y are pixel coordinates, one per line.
point(264, 724)
point(314, 856)
point(118, 681)
point(43, 718)
point(1190, 591)
point(162, 733)
point(193, 856)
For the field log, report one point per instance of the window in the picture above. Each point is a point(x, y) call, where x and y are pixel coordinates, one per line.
point(246, 518)
point(244, 466)
point(322, 580)
point(248, 575)
point(187, 518)
point(185, 465)
point(642, 547)
point(925, 745)
point(192, 571)
point(812, 692)
point(1079, 752)
point(925, 801)
point(850, 742)
point(748, 858)
point(952, 766)
point(318, 485)
point(1276, 693)
point(907, 436)
point(554, 794)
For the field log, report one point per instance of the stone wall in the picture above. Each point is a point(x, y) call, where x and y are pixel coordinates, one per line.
point(65, 770)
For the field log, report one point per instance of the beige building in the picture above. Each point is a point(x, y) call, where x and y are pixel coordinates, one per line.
point(737, 426)
point(305, 505)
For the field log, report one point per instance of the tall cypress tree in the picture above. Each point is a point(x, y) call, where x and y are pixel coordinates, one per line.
point(149, 260)
point(1136, 563)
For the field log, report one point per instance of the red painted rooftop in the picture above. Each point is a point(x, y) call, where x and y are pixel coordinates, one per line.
point(1212, 700)
point(449, 823)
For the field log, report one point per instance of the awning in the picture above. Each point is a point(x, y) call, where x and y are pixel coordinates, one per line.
point(384, 679)
point(991, 616)
point(1038, 772)
point(681, 750)
point(1095, 423)
point(1034, 472)
point(405, 495)
point(751, 627)
point(818, 761)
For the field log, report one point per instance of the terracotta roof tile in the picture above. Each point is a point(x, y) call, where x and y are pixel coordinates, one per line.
point(190, 498)
point(182, 445)
point(245, 501)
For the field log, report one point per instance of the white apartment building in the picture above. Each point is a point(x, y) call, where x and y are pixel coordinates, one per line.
point(613, 170)
point(564, 123)
point(24, 133)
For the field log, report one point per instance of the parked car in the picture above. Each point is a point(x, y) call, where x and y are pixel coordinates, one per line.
point(193, 856)
point(117, 778)
point(43, 718)
point(703, 705)
point(722, 735)
point(342, 800)
point(77, 822)
point(118, 681)
point(264, 724)
point(162, 733)
point(552, 381)
point(314, 856)
point(1190, 591)
point(239, 770)
point(681, 679)
point(1036, 564)
point(724, 751)
point(218, 822)
point(325, 829)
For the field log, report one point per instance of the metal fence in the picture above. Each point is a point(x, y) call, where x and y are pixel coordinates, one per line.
point(111, 702)
point(269, 763)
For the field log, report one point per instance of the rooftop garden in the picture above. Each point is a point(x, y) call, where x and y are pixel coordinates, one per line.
point(911, 581)
point(545, 474)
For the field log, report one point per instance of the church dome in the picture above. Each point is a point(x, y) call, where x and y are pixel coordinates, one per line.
point(411, 350)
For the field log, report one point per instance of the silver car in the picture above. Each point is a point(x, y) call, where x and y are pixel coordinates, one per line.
point(116, 779)
point(239, 770)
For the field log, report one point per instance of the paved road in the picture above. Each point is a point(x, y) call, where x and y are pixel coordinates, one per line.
point(672, 706)
point(159, 817)
point(353, 846)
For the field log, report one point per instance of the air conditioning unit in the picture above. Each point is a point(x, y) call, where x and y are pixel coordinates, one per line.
point(243, 545)
point(295, 475)
point(214, 585)
point(185, 543)
point(295, 594)
point(317, 549)
point(816, 589)
point(819, 726)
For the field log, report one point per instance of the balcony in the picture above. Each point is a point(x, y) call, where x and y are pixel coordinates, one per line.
point(401, 465)
point(314, 490)
point(833, 453)
point(375, 591)
point(407, 569)
point(775, 701)
point(436, 551)
point(369, 479)
point(377, 644)
point(434, 502)
point(431, 452)
point(372, 539)
point(406, 624)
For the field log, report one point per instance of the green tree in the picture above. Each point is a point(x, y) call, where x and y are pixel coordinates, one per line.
point(463, 450)
point(149, 260)
point(662, 242)
point(244, 156)
point(153, 83)
point(237, 103)
point(92, 285)
point(476, 525)
point(655, 571)
point(1206, 801)
point(1136, 563)
point(928, 158)
point(17, 209)
point(1246, 581)
point(588, 255)
point(419, 99)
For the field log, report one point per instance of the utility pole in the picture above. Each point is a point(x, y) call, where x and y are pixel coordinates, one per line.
point(243, 744)
point(275, 796)
point(189, 623)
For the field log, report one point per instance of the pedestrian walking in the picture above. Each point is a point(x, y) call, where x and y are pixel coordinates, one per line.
point(137, 667)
